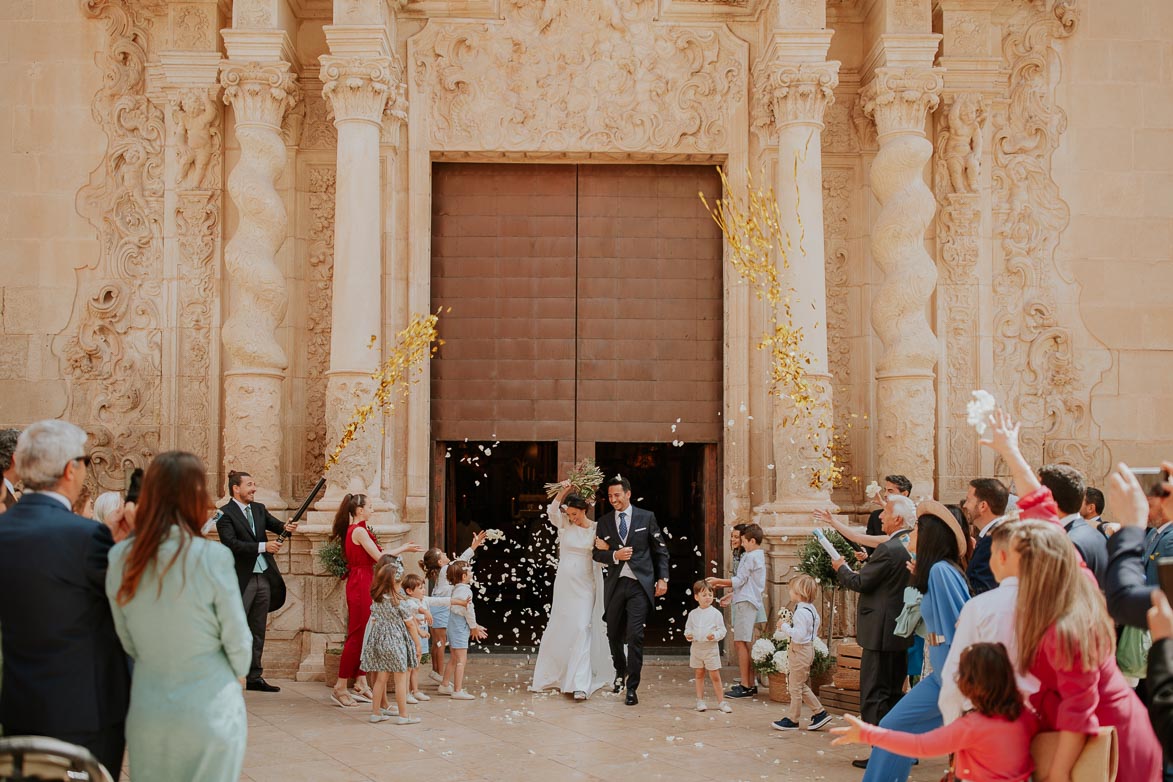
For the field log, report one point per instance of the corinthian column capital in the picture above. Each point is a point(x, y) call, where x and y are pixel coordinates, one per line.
point(360, 88)
point(794, 93)
point(898, 99)
point(259, 93)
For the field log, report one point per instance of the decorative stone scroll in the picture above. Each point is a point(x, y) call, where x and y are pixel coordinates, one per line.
point(1041, 376)
point(838, 187)
point(198, 228)
point(898, 100)
point(112, 346)
point(578, 75)
point(260, 95)
point(316, 341)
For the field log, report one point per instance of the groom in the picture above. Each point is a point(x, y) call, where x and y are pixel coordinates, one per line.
point(636, 561)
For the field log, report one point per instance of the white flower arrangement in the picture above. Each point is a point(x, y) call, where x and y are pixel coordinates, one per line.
point(781, 635)
point(872, 490)
point(979, 410)
point(761, 650)
point(820, 646)
point(781, 660)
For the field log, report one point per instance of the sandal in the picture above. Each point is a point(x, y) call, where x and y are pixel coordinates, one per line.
point(342, 699)
point(362, 696)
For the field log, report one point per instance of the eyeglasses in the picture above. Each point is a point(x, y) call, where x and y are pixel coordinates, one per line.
point(85, 459)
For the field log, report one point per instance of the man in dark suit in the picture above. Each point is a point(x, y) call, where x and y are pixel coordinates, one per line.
point(636, 560)
point(893, 485)
point(1093, 509)
point(242, 526)
point(880, 584)
point(8, 438)
point(984, 506)
point(65, 673)
point(1067, 489)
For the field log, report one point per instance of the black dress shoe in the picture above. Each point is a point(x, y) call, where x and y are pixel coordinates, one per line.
point(860, 763)
point(619, 683)
point(631, 699)
point(260, 685)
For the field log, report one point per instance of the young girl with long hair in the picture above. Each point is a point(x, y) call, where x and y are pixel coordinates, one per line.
point(350, 528)
point(992, 741)
point(434, 563)
point(177, 609)
point(392, 645)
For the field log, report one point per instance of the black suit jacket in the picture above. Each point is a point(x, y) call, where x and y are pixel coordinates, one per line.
point(64, 669)
point(1160, 687)
point(1129, 596)
point(880, 583)
point(1092, 547)
point(649, 551)
point(243, 540)
point(981, 578)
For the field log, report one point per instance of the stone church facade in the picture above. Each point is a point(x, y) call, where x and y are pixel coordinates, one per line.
point(979, 194)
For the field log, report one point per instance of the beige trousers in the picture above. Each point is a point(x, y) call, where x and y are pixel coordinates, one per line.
point(799, 657)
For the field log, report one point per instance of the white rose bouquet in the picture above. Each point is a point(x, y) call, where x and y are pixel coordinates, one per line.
point(769, 655)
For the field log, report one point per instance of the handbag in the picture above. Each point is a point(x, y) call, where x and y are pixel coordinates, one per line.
point(1098, 762)
point(1132, 652)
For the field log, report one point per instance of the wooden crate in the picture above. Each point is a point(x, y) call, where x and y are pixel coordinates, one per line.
point(839, 701)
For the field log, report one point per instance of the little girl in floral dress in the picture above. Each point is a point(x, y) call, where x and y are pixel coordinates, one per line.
point(391, 647)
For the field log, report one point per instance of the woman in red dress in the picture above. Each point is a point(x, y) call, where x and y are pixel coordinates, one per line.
point(350, 526)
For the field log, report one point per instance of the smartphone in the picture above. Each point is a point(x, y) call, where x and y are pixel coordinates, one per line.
point(1165, 574)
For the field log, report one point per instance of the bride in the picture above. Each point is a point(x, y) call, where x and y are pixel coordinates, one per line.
point(573, 655)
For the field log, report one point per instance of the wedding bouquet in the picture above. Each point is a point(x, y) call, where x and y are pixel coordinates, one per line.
point(979, 410)
point(585, 479)
point(332, 556)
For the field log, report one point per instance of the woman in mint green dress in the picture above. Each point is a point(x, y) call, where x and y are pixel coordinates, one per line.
point(177, 609)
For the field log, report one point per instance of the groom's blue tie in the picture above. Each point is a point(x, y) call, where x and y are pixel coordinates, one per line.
point(623, 527)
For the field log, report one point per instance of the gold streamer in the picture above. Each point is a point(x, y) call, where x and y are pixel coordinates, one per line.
point(412, 345)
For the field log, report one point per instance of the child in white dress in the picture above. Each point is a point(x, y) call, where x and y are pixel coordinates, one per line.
point(704, 629)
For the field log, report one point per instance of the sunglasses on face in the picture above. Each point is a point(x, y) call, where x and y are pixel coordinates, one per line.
point(85, 459)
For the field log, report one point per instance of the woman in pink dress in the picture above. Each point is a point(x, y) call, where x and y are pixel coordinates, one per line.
point(362, 552)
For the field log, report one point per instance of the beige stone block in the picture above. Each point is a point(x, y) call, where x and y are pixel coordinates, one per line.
point(19, 258)
point(1136, 61)
point(1152, 239)
point(26, 401)
point(1158, 195)
point(1141, 372)
point(1097, 107)
point(1118, 415)
point(1095, 237)
point(1090, 61)
point(1157, 330)
point(32, 310)
point(1113, 324)
point(17, 9)
point(14, 356)
point(1158, 106)
point(1108, 20)
point(1153, 150)
point(1158, 20)
point(1103, 149)
point(40, 216)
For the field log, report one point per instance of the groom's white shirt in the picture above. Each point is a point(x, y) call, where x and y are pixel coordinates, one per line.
point(630, 511)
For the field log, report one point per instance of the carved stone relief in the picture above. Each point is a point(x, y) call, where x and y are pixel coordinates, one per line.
point(197, 228)
point(112, 346)
point(319, 276)
point(190, 27)
point(1045, 381)
point(838, 186)
point(966, 35)
point(838, 131)
point(195, 118)
point(318, 132)
point(578, 75)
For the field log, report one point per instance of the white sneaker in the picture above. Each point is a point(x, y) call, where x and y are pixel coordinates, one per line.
point(437, 678)
point(420, 696)
point(444, 689)
point(725, 707)
point(378, 718)
point(700, 706)
point(391, 712)
point(461, 695)
point(408, 721)
point(411, 699)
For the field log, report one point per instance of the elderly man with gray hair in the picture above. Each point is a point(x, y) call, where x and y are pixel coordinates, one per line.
point(880, 583)
point(65, 673)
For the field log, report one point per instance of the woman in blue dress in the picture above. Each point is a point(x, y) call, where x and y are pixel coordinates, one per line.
point(177, 609)
point(938, 545)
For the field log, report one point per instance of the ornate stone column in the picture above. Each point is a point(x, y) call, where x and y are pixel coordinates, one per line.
point(260, 94)
point(898, 100)
point(792, 95)
point(357, 89)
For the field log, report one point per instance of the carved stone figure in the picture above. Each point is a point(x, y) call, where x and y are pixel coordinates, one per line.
point(197, 124)
point(962, 151)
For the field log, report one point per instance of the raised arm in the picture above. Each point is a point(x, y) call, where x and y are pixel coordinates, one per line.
point(854, 534)
point(1002, 437)
point(1124, 584)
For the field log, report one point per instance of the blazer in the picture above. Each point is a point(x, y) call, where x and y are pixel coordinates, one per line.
point(1160, 686)
point(243, 540)
point(981, 578)
point(880, 583)
point(7, 498)
point(64, 669)
point(649, 551)
point(1157, 546)
point(1092, 547)
point(1129, 597)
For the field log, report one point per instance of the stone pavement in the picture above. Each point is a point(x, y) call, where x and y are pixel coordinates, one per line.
point(511, 734)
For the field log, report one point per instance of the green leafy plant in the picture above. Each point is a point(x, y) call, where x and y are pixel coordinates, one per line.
point(332, 556)
point(814, 562)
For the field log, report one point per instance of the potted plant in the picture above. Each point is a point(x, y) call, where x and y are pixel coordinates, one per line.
point(770, 661)
point(331, 660)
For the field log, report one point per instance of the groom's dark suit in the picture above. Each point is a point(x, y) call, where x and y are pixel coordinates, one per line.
point(262, 592)
point(627, 601)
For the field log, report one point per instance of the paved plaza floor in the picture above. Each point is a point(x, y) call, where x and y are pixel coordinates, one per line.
point(511, 734)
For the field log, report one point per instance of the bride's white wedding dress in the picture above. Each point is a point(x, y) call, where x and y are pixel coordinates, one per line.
point(573, 655)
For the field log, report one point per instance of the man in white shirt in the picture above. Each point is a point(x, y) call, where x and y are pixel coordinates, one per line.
point(748, 583)
point(987, 618)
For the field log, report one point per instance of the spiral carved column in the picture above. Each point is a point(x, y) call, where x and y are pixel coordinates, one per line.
point(898, 100)
point(260, 94)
